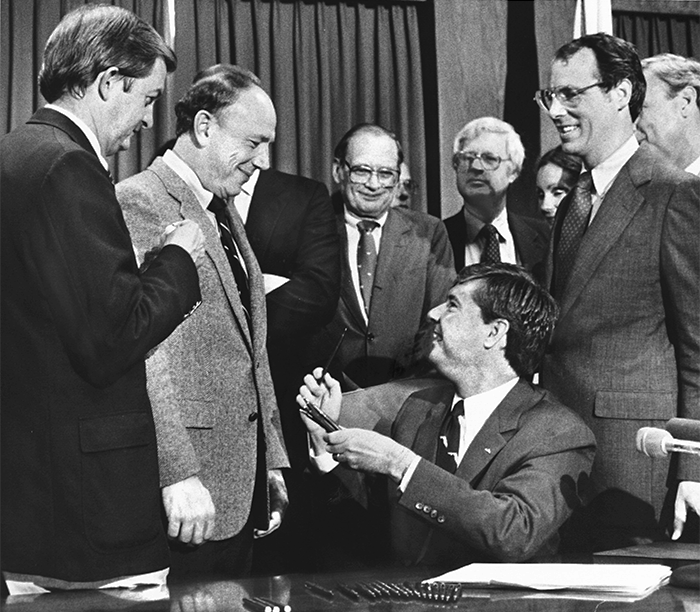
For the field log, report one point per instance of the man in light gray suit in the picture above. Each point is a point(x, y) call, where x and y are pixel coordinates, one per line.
point(217, 424)
point(624, 264)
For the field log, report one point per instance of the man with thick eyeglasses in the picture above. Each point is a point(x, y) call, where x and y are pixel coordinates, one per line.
point(396, 263)
point(488, 157)
point(624, 265)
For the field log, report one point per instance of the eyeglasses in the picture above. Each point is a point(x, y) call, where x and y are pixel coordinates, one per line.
point(489, 161)
point(360, 175)
point(569, 97)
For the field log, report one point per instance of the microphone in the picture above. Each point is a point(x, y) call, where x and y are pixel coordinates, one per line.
point(684, 429)
point(655, 442)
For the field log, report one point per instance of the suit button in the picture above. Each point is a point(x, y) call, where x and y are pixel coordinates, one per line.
point(434, 514)
point(370, 337)
point(252, 417)
point(427, 509)
point(441, 519)
point(419, 506)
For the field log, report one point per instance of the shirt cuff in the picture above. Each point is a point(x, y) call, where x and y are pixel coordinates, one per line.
point(324, 462)
point(408, 474)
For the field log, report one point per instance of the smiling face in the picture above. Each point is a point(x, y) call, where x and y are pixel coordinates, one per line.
point(131, 110)
point(483, 190)
point(459, 333)
point(551, 189)
point(597, 122)
point(373, 150)
point(238, 141)
point(660, 120)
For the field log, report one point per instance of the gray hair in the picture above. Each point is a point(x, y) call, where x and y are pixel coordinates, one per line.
point(675, 71)
point(514, 146)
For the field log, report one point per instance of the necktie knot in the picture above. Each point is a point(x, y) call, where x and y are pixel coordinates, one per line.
point(366, 226)
point(217, 206)
point(492, 250)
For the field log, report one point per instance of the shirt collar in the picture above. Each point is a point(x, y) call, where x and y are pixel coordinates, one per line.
point(89, 134)
point(474, 224)
point(606, 171)
point(694, 168)
point(180, 167)
point(249, 186)
point(352, 219)
point(488, 400)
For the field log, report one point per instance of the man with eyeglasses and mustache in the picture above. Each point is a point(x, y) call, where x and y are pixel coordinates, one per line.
point(396, 264)
point(488, 157)
point(624, 265)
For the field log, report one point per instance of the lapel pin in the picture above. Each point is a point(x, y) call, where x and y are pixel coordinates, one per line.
point(488, 450)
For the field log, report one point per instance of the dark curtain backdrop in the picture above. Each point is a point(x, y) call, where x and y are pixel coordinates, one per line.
point(327, 66)
point(654, 33)
point(26, 25)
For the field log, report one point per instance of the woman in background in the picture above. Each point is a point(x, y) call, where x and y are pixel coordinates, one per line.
point(557, 173)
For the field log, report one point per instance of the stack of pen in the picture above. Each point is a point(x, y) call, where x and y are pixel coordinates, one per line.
point(438, 592)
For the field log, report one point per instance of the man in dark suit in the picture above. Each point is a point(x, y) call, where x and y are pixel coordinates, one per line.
point(80, 504)
point(488, 157)
point(396, 263)
point(624, 264)
point(484, 467)
point(217, 424)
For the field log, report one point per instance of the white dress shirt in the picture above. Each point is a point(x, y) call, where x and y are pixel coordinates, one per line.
point(243, 199)
point(694, 167)
point(605, 172)
point(475, 246)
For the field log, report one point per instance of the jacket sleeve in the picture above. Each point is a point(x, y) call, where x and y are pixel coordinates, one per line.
point(107, 315)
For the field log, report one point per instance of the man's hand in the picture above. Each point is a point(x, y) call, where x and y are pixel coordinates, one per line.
point(688, 496)
point(190, 511)
point(369, 451)
point(188, 235)
point(279, 500)
point(324, 394)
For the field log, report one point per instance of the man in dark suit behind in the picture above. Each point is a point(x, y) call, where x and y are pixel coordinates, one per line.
point(80, 503)
point(624, 264)
point(291, 227)
point(488, 157)
point(384, 305)
point(485, 466)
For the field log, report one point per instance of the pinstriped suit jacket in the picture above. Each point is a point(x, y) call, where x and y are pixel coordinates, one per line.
point(626, 349)
point(207, 380)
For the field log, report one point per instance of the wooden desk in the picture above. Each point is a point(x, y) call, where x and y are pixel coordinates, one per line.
point(227, 596)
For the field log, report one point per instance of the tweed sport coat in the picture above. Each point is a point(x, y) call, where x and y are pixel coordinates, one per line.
point(209, 383)
point(626, 349)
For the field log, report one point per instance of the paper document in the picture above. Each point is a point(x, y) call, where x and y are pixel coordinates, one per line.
point(635, 579)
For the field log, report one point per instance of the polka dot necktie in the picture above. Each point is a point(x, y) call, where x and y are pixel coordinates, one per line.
point(366, 259)
point(572, 229)
point(492, 249)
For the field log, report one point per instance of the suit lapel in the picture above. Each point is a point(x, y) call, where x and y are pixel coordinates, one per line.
point(426, 439)
point(191, 209)
point(528, 243)
point(619, 207)
point(392, 260)
point(347, 289)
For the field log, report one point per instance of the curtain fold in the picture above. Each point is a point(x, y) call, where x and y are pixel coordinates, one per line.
point(654, 33)
point(327, 66)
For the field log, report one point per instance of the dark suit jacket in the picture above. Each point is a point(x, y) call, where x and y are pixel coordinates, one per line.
point(530, 235)
point(80, 497)
point(414, 272)
point(515, 487)
point(291, 228)
point(626, 349)
point(209, 382)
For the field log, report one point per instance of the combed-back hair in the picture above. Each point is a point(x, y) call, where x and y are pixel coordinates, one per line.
point(675, 71)
point(212, 90)
point(508, 292)
point(92, 39)
point(514, 145)
point(341, 149)
point(617, 60)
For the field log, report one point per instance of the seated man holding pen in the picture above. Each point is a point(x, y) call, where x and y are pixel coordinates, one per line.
point(484, 466)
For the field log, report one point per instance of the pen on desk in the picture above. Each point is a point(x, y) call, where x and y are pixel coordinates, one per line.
point(319, 590)
point(276, 606)
point(256, 606)
point(349, 592)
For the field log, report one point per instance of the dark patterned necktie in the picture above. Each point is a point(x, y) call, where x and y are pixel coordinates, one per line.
point(572, 229)
point(366, 259)
point(450, 435)
point(492, 249)
point(218, 207)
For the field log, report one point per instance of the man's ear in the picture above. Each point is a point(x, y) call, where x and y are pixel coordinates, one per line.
point(688, 97)
point(623, 93)
point(498, 332)
point(108, 82)
point(336, 171)
point(202, 126)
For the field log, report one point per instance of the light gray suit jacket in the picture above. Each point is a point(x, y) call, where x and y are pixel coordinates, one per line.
point(209, 381)
point(626, 349)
